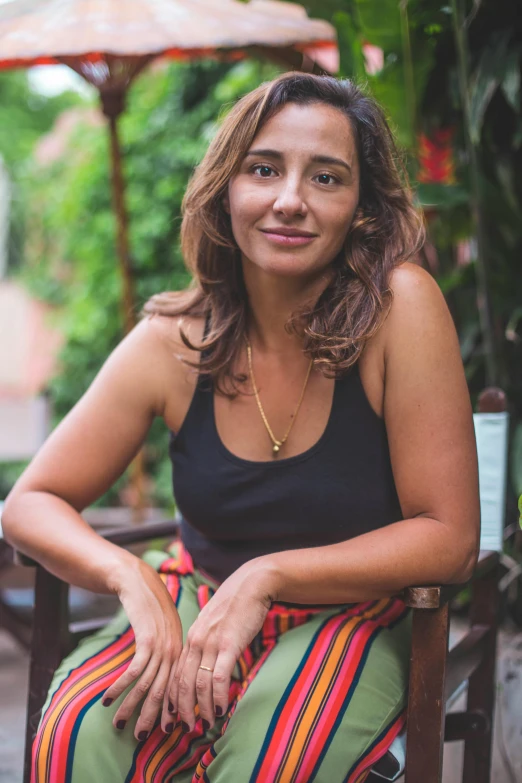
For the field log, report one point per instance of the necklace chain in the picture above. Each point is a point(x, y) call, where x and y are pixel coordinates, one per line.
point(276, 443)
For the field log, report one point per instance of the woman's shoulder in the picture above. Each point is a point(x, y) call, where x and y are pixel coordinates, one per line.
point(415, 297)
point(419, 334)
point(161, 338)
point(417, 304)
point(411, 279)
point(165, 331)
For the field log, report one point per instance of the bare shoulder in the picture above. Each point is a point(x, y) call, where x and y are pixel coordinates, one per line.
point(165, 329)
point(418, 314)
point(410, 280)
point(149, 363)
point(417, 299)
point(420, 338)
point(176, 378)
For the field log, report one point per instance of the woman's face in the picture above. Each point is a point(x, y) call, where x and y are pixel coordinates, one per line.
point(301, 177)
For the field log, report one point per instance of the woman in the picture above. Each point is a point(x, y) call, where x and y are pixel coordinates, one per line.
point(329, 462)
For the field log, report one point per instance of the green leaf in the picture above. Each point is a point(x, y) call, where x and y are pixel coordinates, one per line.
point(352, 63)
point(511, 80)
point(495, 63)
point(381, 23)
point(443, 197)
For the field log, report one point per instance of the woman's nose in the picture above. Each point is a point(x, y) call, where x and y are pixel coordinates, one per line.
point(289, 199)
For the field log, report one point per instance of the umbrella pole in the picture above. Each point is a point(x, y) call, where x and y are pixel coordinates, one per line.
point(137, 467)
point(122, 226)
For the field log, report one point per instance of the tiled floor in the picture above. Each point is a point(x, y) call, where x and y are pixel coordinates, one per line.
point(13, 691)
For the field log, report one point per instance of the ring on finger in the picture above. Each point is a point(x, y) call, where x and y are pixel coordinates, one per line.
point(207, 668)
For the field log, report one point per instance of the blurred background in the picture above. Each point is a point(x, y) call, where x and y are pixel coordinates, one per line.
point(449, 77)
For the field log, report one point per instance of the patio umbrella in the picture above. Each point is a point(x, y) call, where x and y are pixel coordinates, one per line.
point(109, 42)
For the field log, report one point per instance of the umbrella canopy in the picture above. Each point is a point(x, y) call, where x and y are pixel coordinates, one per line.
point(42, 32)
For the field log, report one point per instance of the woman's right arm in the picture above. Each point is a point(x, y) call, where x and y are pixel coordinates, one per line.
point(81, 459)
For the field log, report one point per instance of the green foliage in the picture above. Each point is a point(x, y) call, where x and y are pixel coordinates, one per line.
point(408, 45)
point(10, 473)
point(498, 66)
point(25, 116)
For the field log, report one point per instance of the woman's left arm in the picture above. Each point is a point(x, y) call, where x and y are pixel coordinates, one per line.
point(429, 424)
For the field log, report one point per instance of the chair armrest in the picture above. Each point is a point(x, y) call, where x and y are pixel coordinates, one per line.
point(122, 536)
point(435, 596)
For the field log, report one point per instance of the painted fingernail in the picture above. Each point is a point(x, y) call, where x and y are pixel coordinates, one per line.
point(171, 707)
point(206, 725)
point(185, 726)
point(169, 728)
point(107, 702)
point(121, 724)
point(143, 735)
point(219, 711)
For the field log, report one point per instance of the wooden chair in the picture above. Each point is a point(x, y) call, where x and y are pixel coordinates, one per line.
point(435, 672)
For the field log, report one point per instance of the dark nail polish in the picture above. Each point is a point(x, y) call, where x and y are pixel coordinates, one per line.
point(171, 707)
point(206, 725)
point(107, 702)
point(219, 711)
point(121, 724)
point(169, 728)
point(143, 735)
point(185, 726)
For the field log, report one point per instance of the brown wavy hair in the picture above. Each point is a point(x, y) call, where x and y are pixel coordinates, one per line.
point(386, 230)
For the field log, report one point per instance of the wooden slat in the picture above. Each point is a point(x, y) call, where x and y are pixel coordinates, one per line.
point(49, 645)
point(426, 707)
point(136, 535)
point(485, 609)
point(465, 725)
point(465, 657)
point(430, 597)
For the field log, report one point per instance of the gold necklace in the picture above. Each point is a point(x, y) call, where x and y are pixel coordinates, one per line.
point(276, 443)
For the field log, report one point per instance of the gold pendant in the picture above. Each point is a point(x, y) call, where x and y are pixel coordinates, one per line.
point(275, 449)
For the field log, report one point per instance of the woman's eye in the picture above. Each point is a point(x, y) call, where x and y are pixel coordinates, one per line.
point(264, 171)
point(328, 177)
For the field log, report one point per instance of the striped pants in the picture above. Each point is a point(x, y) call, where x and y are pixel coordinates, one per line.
point(319, 695)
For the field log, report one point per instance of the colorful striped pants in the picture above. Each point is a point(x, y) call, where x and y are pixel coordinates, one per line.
point(319, 695)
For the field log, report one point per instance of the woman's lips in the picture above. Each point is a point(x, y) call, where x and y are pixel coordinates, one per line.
point(283, 239)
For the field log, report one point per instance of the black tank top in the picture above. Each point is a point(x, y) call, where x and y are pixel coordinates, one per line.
point(233, 509)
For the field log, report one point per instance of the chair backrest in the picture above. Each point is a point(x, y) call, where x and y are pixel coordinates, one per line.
point(491, 433)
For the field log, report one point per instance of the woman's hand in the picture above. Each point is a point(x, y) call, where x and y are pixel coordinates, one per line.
point(222, 631)
point(157, 629)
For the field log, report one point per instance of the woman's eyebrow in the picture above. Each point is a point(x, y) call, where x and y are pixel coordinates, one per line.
point(315, 158)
